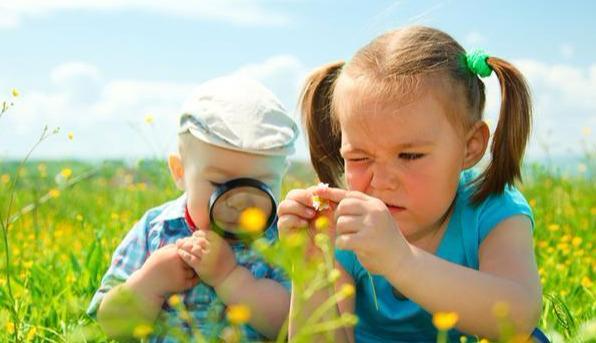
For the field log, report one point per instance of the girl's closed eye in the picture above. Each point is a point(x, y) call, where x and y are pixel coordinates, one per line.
point(410, 156)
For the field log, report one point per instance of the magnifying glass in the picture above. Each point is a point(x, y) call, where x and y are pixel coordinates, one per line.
point(242, 209)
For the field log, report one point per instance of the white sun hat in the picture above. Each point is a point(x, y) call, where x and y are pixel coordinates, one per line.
point(238, 113)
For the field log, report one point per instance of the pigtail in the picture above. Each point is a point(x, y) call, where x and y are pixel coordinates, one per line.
point(511, 135)
point(323, 135)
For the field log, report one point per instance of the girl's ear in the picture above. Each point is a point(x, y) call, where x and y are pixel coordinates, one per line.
point(476, 143)
point(176, 170)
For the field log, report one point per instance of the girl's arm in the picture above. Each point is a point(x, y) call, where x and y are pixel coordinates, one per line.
point(301, 310)
point(268, 300)
point(508, 274)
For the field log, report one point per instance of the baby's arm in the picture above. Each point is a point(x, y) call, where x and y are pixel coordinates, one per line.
point(140, 298)
point(215, 263)
point(507, 274)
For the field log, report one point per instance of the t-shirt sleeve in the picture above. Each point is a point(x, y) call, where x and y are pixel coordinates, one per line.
point(497, 208)
point(128, 257)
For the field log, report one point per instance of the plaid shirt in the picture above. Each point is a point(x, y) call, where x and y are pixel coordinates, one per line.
point(164, 225)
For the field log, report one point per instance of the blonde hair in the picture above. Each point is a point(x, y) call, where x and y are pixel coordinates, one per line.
point(392, 66)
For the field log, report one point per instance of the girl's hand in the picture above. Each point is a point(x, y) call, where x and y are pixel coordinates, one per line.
point(297, 212)
point(209, 255)
point(364, 225)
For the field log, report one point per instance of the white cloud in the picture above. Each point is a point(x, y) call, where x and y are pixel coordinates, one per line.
point(283, 73)
point(107, 116)
point(474, 38)
point(240, 12)
point(564, 98)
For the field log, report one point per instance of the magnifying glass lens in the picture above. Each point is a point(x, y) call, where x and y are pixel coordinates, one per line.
point(243, 210)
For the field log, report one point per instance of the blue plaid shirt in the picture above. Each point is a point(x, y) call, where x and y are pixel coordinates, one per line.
point(164, 225)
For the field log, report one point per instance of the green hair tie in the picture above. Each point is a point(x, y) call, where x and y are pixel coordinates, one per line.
point(476, 62)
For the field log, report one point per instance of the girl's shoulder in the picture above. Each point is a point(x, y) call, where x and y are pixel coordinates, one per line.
point(494, 209)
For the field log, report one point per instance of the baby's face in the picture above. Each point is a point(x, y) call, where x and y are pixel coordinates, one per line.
point(206, 166)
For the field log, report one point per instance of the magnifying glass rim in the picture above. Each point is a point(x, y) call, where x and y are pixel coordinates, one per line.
point(240, 182)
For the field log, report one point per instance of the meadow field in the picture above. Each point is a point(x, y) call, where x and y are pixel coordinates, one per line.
point(66, 218)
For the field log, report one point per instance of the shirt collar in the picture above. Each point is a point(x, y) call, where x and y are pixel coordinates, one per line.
point(174, 210)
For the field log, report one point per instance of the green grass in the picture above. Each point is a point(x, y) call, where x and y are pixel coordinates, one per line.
point(60, 248)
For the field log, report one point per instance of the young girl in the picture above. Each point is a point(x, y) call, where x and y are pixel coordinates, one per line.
point(402, 124)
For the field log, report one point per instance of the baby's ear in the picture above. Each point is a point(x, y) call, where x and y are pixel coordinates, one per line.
point(176, 170)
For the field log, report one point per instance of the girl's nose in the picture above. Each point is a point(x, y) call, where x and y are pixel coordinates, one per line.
point(384, 177)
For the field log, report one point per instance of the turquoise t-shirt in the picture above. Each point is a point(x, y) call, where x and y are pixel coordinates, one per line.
point(401, 320)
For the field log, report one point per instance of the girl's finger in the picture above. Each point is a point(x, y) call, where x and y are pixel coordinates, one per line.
point(347, 224)
point(350, 206)
point(330, 193)
point(346, 241)
point(289, 222)
point(293, 207)
point(303, 196)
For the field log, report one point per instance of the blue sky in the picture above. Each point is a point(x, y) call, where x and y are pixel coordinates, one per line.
point(97, 68)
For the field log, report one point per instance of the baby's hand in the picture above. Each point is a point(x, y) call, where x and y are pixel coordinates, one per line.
point(209, 255)
point(165, 272)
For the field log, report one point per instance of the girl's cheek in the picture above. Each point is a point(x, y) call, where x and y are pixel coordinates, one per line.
point(357, 177)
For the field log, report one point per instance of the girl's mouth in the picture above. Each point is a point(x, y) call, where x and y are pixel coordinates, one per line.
point(395, 209)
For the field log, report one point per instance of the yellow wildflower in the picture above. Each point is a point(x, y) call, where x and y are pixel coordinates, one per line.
point(586, 282)
point(66, 173)
point(5, 178)
point(553, 227)
point(54, 193)
point(576, 241)
point(347, 290)
point(319, 204)
point(253, 220)
point(238, 314)
point(174, 300)
point(70, 135)
point(142, 331)
point(10, 327)
point(15, 92)
point(333, 275)
point(149, 119)
point(445, 320)
point(322, 223)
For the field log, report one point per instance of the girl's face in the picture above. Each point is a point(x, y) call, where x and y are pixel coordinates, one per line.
point(409, 156)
